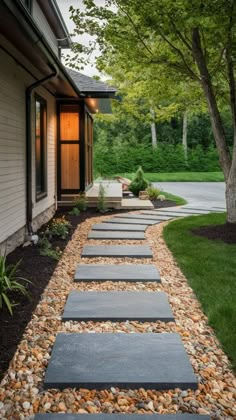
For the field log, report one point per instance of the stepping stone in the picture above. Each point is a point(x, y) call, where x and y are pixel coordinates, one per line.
point(116, 272)
point(100, 361)
point(117, 306)
point(131, 221)
point(119, 227)
point(157, 216)
point(171, 215)
point(96, 234)
point(118, 416)
point(123, 251)
point(154, 218)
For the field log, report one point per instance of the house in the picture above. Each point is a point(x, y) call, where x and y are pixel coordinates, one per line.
point(46, 119)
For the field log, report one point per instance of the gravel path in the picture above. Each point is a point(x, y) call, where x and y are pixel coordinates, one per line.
point(21, 391)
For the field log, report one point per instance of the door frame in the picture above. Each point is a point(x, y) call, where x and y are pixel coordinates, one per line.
point(80, 143)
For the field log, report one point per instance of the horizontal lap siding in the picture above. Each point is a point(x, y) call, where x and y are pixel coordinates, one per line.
point(12, 147)
point(13, 83)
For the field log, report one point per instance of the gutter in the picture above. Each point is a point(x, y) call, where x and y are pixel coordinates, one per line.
point(17, 8)
point(29, 202)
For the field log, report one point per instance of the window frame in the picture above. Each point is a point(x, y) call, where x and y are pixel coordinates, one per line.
point(43, 148)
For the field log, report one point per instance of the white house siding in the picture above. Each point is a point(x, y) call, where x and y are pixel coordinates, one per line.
point(13, 83)
point(44, 26)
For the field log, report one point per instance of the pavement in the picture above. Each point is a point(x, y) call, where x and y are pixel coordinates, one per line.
point(201, 194)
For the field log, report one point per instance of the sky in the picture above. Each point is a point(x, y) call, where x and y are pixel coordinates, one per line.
point(64, 5)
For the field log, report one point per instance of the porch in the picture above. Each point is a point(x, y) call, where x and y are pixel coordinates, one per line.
point(115, 197)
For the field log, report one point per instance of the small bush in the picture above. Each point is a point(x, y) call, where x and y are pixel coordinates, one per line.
point(46, 250)
point(75, 211)
point(153, 193)
point(139, 183)
point(80, 202)
point(58, 227)
point(161, 197)
point(9, 281)
point(102, 200)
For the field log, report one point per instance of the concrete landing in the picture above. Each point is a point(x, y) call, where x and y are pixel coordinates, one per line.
point(116, 251)
point(101, 361)
point(117, 272)
point(135, 204)
point(117, 306)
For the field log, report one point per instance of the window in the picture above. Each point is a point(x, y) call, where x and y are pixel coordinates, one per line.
point(40, 148)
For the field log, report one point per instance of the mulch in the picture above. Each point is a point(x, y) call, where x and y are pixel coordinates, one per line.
point(38, 269)
point(225, 232)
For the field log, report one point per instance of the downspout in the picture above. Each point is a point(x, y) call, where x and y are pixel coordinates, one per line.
point(29, 203)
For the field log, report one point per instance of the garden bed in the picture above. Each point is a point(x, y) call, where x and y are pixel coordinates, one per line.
point(38, 269)
point(225, 232)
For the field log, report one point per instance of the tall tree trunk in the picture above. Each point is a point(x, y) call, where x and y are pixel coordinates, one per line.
point(185, 134)
point(153, 129)
point(228, 166)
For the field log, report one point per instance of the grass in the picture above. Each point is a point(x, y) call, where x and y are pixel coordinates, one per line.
point(210, 268)
point(181, 176)
point(179, 200)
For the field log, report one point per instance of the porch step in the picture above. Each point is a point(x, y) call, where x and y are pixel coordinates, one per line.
point(116, 251)
point(117, 306)
point(136, 204)
point(136, 236)
point(117, 272)
point(101, 361)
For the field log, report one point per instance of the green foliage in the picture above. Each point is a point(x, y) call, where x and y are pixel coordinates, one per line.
point(81, 202)
point(102, 199)
point(125, 157)
point(10, 282)
point(139, 183)
point(74, 212)
point(58, 227)
point(153, 193)
point(180, 176)
point(46, 250)
point(218, 262)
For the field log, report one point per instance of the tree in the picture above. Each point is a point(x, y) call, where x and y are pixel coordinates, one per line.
point(187, 41)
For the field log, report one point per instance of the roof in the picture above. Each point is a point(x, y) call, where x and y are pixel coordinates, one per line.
point(90, 86)
point(53, 14)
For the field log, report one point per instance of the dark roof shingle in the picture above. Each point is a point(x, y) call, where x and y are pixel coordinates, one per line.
point(87, 84)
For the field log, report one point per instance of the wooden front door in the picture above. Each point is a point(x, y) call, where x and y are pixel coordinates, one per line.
point(69, 149)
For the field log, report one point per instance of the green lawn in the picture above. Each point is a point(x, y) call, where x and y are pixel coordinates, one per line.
point(210, 267)
point(181, 176)
point(179, 200)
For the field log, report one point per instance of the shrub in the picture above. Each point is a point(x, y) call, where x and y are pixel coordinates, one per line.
point(9, 281)
point(75, 211)
point(102, 200)
point(81, 202)
point(153, 193)
point(139, 183)
point(46, 250)
point(58, 227)
point(161, 197)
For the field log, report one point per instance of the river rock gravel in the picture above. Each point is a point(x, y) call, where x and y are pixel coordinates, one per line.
point(21, 390)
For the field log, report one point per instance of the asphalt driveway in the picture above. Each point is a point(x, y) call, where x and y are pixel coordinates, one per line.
point(203, 194)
